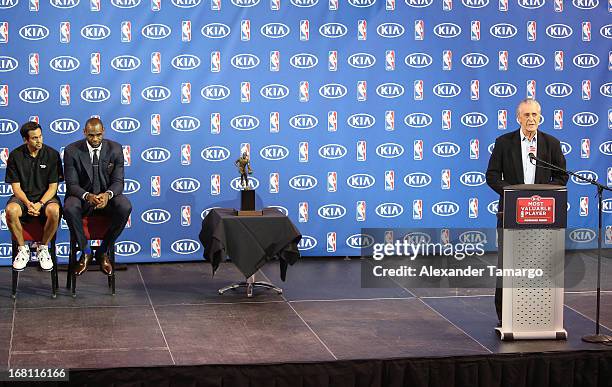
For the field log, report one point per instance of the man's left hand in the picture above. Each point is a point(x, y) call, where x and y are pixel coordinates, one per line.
point(103, 198)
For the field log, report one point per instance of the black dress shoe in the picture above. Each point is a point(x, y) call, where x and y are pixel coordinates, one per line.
point(83, 263)
point(105, 264)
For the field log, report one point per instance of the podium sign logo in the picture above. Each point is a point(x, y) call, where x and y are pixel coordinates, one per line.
point(535, 210)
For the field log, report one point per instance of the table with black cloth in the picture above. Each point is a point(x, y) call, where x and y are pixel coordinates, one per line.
point(250, 241)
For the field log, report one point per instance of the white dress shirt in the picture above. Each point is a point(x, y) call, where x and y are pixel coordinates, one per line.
point(91, 152)
point(527, 147)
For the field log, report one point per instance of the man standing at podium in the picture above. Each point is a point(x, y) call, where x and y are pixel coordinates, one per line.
point(510, 164)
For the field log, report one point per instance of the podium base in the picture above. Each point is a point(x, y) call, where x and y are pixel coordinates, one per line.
point(250, 213)
point(597, 339)
point(506, 335)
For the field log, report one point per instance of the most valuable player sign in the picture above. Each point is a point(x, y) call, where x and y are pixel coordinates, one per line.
point(356, 113)
point(535, 210)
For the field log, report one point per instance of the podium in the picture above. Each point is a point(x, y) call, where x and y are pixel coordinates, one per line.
point(534, 223)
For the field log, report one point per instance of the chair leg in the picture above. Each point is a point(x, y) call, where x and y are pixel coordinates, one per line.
point(15, 280)
point(71, 277)
point(54, 280)
point(112, 277)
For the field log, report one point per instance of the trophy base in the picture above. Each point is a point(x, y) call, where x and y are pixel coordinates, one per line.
point(249, 213)
point(247, 200)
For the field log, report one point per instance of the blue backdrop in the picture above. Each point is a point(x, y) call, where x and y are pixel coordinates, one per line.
point(358, 113)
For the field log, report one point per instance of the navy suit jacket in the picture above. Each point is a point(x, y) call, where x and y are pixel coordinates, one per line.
point(78, 170)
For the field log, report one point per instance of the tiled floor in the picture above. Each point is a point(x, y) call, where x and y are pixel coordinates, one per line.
point(166, 314)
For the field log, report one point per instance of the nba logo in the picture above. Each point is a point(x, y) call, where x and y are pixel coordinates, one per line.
point(94, 5)
point(331, 242)
point(362, 90)
point(126, 31)
point(273, 188)
point(33, 63)
point(390, 60)
point(503, 61)
point(586, 31)
point(475, 30)
point(304, 30)
point(389, 180)
point(185, 216)
point(558, 119)
point(4, 155)
point(584, 206)
point(447, 5)
point(445, 179)
point(585, 148)
point(610, 119)
point(447, 60)
point(332, 60)
point(127, 155)
point(245, 147)
point(447, 119)
point(362, 30)
point(474, 149)
point(609, 227)
point(275, 5)
point(473, 208)
point(156, 247)
point(390, 5)
point(155, 124)
point(215, 61)
point(531, 31)
point(304, 91)
point(531, 89)
point(61, 152)
point(389, 120)
point(332, 121)
point(245, 91)
point(609, 176)
point(94, 63)
point(155, 185)
point(155, 5)
point(245, 30)
point(4, 32)
point(64, 225)
point(37, 120)
point(65, 95)
point(419, 30)
point(610, 58)
point(275, 60)
point(558, 5)
point(34, 5)
point(156, 62)
point(303, 212)
point(215, 123)
point(388, 236)
point(215, 5)
point(3, 225)
point(444, 236)
point(586, 90)
point(4, 96)
point(360, 211)
point(274, 122)
point(417, 209)
point(186, 30)
point(186, 92)
point(126, 94)
point(361, 150)
point(474, 89)
point(185, 154)
point(333, 5)
point(215, 184)
point(503, 5)
point(303, 152)
point(65, 32)
point(418, 90)
point(418, 150)
point(558, 60)
point(332, 181)
point(502, 119)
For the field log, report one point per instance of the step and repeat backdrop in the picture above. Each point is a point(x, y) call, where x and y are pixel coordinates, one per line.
point(356, 113)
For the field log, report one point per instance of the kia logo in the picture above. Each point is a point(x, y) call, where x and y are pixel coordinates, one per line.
point(417, 237)
point(586, 174)
point(362, 3)
point(493, 207)
point(8, 126)
point(303, 182)
point(565, 148)
point(6, 251)
point(127, 248)
point(303, 121)
point(125, 63)
point(503, 30)
point(502, 90)
point(8, 63)
point(332, 30)
point(332, 91)
point(531, 4)
point(274, 152)
point(445, 208)
point(33, 32)
point(446, 149)
point(185, 123)
point(155, 155)
point(475, 60)
point(360, 241)
point(281, 209)
point(390, 90)
point(417, 179)
point(236, 186)
point(215, 92)
point(361, 121)
point(62, 249)
point(304, 3)
point(33, 95)
point(558, 90)
point(419, 3)
point(215, 153)
point(332, 151)
point(125, 3)
point(64, 126)
point(244, 61)
point(361, 60)
point(390, 30)
point(185, 3)
point(332, 211)
point(585, 4)
point(125, 125)
point(274, 91)
point(95, 32)
point(156, 31)
point(475, 3)
point(95, 94)
point(490, 148)
point(155, 216)
point(447, 30)
point(274, 30)
point(130, 186)
point(473, 179)
point(185, 246)
point(6, 4)
point(606, 89)
point(389, 210)
point(156, 93)
point(307, 243)
point(559, 31)
point(606, 148)
point(606, 31)
point(586, 61)
point(5, 190)
point(303, 61)
point(585, 119)
point(474, 119)
point(606, 206)
point(473, 237)
point(418, 60)
point(582, 235)
point(244, 122)
point(418, 120)
point(245, 3)
point(185, 62)
point(185, 185)
point(61, 189)
point(64, 4)
point(389, 150)
point(206, 211)
point(530, 60)
point(446, 90)
point(360, 181)
point(216, 30)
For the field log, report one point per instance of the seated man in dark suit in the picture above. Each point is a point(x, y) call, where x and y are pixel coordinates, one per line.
point(94, 182)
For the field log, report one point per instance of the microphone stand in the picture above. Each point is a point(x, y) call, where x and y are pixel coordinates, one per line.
point(597, 337)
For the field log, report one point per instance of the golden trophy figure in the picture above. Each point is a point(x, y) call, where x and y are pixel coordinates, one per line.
point(244, 167)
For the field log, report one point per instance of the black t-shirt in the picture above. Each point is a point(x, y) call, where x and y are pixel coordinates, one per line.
point(34, 174)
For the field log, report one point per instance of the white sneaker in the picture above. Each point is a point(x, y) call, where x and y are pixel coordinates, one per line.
point(22, 258)
point(44, 258)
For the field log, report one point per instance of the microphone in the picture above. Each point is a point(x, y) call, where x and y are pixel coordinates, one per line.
point(532, 156)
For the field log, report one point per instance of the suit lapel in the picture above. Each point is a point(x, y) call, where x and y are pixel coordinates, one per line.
point(85, 160)
point(542, 152)
point(517, 157)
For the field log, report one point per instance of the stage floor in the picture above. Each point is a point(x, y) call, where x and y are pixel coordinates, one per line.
point(171, 314)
